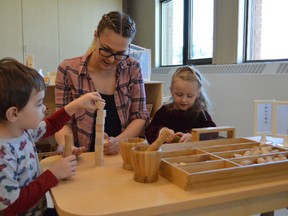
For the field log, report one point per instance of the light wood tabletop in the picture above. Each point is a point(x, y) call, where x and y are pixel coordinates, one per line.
point(111, 190)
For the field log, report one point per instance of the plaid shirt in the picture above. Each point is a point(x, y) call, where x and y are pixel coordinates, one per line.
point(73, 80)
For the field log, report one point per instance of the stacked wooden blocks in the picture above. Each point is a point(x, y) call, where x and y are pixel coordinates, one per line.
point(99, 133)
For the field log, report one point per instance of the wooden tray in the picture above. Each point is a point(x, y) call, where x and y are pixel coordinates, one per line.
point(210, 163)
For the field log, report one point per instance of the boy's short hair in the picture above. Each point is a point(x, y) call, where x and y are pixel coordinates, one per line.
point(16, 84)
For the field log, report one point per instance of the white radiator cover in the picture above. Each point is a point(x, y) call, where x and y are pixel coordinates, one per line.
point(233, 89)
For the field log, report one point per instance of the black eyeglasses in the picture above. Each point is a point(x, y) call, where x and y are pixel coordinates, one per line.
point(106, 53)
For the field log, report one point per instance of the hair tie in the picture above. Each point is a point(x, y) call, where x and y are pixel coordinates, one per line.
point(198, 75)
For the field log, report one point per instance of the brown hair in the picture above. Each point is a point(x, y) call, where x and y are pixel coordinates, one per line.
point(16, 84)
point(118, 22)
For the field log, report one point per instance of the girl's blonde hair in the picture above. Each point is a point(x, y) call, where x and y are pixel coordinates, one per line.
point(188, 73)
point(119, 22)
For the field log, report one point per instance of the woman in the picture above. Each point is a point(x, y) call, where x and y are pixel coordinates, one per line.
point(106, 68)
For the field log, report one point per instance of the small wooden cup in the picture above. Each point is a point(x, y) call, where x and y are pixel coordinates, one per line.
point(145, 163)
point(125, 147)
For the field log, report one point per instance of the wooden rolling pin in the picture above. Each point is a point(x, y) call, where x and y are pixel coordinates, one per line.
point(160, 140)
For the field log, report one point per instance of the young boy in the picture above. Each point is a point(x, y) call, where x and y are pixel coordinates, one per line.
point(22, 186)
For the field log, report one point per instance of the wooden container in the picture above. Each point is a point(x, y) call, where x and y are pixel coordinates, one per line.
point(125, 146)
point(145, 163)
point(210, 163)
point(196, 132)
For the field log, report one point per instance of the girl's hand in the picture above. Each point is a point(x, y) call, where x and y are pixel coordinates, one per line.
point(184, 137)
point(171, 137)
point(64, 167)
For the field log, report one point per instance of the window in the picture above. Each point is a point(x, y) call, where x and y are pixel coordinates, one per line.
point(187, 32)
point(266, 32)
point(188, 27)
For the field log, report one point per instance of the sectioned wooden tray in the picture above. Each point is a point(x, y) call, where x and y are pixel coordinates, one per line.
point(209, 163)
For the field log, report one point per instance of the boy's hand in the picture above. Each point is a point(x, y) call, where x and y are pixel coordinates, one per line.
point(64, 167)
point(86, 101)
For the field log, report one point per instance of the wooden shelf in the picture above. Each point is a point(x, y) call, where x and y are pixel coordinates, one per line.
point(153, 91)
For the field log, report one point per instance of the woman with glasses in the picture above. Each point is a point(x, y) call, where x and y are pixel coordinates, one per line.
point(106, 68)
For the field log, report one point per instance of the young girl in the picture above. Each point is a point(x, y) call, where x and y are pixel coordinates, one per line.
point(22, 186)
point(187, 111)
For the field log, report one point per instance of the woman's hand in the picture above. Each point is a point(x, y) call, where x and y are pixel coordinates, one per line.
point(75, 150)
point(111, 146)
point(78, 150)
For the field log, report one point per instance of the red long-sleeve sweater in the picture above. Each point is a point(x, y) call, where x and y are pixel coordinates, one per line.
point(36, 189)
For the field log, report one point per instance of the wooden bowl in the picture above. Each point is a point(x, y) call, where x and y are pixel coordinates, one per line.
point(145, 163)
point(125, 146)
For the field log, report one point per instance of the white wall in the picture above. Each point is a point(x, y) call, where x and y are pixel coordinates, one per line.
point(49, 30)
point(145, 14)
point(232, 95)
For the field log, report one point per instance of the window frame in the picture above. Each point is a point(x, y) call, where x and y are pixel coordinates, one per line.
point(246, 39)
point(236, 53)
point(187, 30)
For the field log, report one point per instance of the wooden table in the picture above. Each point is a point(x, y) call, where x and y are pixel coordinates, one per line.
point(111, 190)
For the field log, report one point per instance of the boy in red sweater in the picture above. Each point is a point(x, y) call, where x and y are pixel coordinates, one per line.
point(22, 185)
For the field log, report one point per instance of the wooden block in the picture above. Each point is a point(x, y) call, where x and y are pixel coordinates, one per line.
point(101, 114)
point(99, 128)
point(99, 135)
point(69, 142)
point(99, 155)
point(100, 121)
point(100, 105)
point(99, 141)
